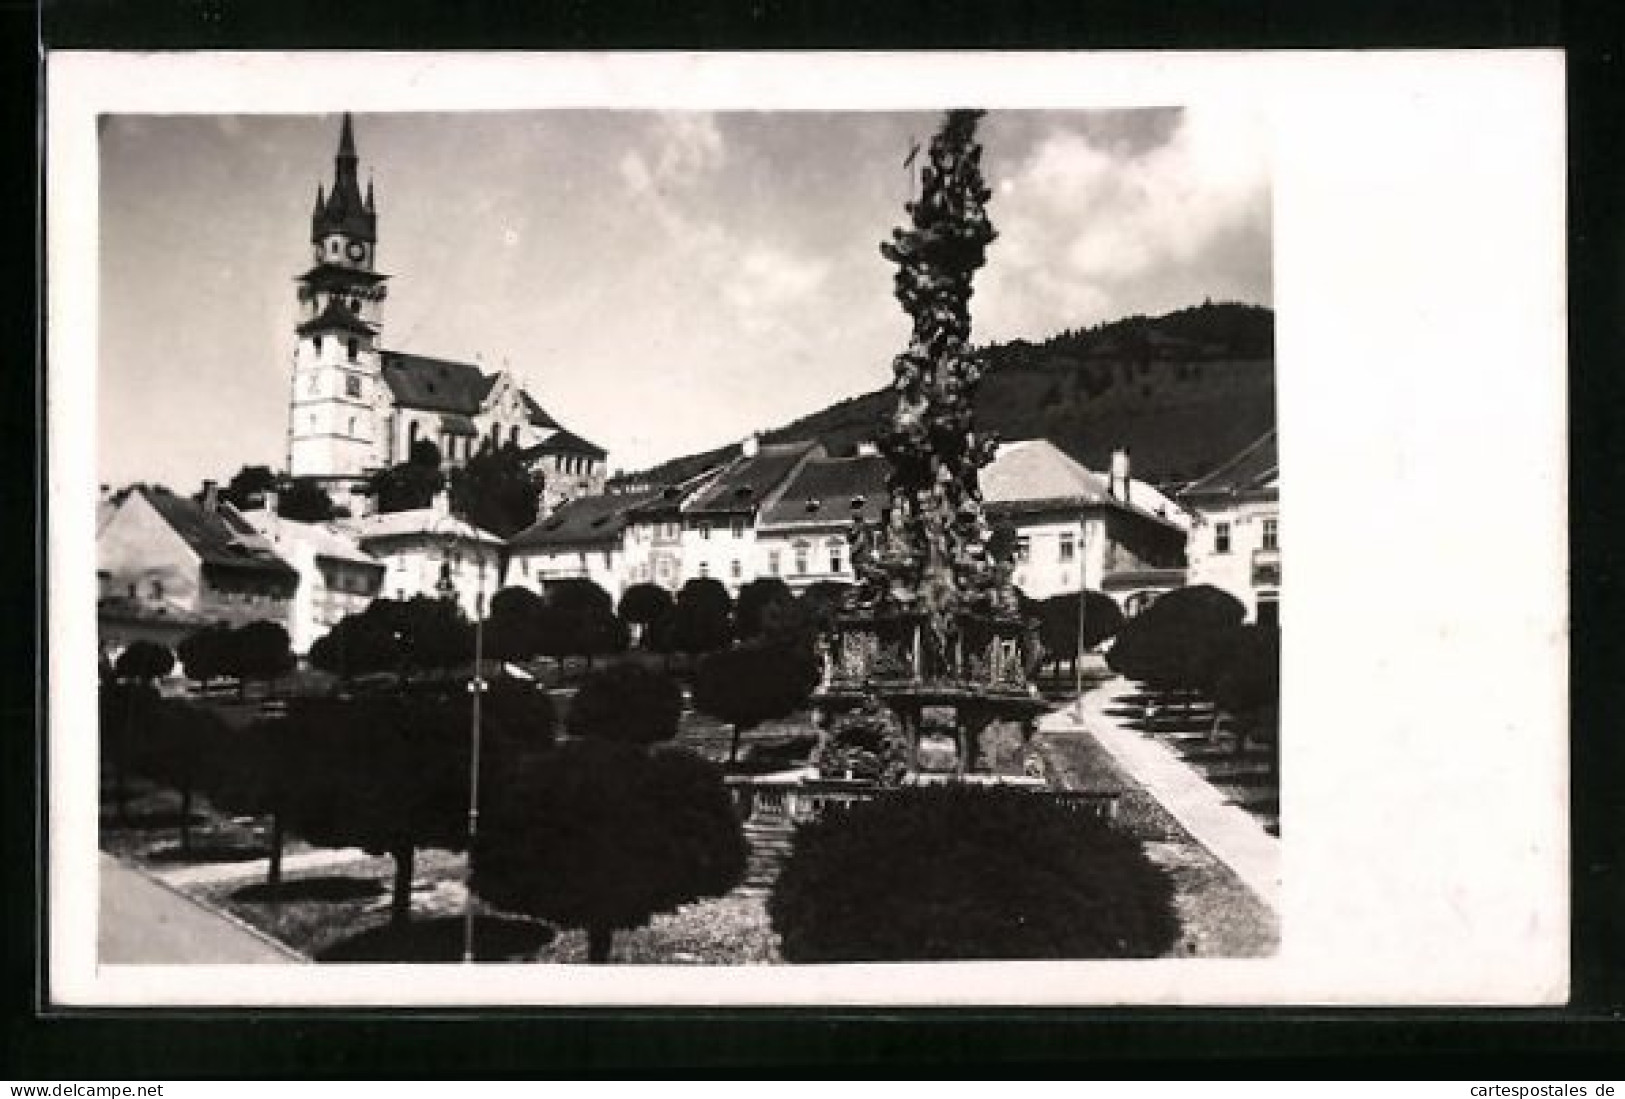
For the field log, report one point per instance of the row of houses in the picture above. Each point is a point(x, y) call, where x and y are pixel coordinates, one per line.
point(167, 565)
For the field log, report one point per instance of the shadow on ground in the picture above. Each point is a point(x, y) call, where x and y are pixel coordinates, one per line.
point(496, 939)
point(332, 888)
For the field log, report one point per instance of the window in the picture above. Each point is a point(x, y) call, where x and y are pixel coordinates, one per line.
point(513, 434)
point(351, 346)
point(1024, 548)
point(1269, 611)
point(735, 570)
point(1067, 547)
point(352, 425)
point(412, 434)
point(704, 528)
point(773, 562)
point(801, 550)
point(315, 386)
point(736, 527)
point(1221, 538)
point(157, 589)
point(837, 555)
point(352, 386)
point(1271, 534)
point(705, 568)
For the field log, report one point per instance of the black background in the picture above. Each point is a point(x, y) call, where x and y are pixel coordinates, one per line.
point(1585, 1040)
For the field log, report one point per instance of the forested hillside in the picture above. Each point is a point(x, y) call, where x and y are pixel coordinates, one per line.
point(1183, 392)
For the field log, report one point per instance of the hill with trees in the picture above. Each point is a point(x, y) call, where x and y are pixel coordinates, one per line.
point(1183, 392)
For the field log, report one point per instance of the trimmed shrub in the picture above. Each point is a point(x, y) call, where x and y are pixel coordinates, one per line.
point(628, 703)
point(603, 835)
point(959, 872)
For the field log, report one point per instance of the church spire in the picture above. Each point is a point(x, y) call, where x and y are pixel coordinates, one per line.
point(347, 139)
point(344, 210)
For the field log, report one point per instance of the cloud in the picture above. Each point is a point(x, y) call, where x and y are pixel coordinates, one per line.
point(684, 148)
point(1092, 229)
point(768, 285)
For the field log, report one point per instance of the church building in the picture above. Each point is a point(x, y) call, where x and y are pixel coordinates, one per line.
point(357, 406)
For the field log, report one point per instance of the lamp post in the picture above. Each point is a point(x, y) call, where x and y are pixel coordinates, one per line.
point(1083, 605)
point(476, 687)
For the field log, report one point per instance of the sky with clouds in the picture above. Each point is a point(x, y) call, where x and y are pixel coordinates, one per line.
point(663, 283)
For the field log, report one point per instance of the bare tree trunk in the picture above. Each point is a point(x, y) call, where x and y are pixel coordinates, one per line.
point(273, 873)
point(400, 909)
point(599, 942)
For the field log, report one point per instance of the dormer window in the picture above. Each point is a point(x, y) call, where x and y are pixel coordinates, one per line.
point(351, 347)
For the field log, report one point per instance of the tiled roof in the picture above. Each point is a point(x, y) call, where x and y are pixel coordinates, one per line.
point(435, 385)
point(418, 522)
point(325, 539)
point(563, 441)
point(1032, 475)
point(220, 538)
point(336, 315)
point(584, 521)
point(1255, 469)
point(824, 490)
point(747, 483)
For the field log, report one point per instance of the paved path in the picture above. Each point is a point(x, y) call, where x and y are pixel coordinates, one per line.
point(144, 922)
point(1231, 833)
point(212, 873)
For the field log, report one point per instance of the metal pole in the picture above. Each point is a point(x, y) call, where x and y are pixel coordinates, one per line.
point(477, 686)
point(1083, 604)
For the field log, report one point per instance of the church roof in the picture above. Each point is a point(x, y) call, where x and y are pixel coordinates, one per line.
point(429, 523)
point(344, 210)
point(436, 385)
point(336, 315)
point(538, 415)
point(823, 493)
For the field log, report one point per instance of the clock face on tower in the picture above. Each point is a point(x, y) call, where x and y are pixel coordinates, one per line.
point(357, 251)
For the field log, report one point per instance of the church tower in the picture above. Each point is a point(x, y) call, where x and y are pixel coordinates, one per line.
point(338, 410)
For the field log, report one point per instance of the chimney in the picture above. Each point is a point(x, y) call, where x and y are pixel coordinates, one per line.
point(211, 497)
point(441, 504)
point(1117, 480)
point(751, 445)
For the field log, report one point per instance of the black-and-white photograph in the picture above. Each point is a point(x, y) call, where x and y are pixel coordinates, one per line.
point(588, 537)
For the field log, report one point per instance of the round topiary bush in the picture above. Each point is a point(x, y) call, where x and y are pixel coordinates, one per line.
point(958, 872)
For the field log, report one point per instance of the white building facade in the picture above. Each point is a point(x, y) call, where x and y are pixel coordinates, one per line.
point(1236, 543)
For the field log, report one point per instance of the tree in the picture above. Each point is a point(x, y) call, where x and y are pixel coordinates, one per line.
point(430, 634)
point(126, 709)
point(758, 603)
point(602, 835)
point(306, 501)
point(247, 488)
point(517, 625)
point(627, 703)
point(358, 644)
point(204, 654)
point(821, 601)
point(702, 620)
point(495, 490)
point(387, 773)
point(750, 684)
point(581, 620)
point(962, 872)
point(411, 484)
point(144, 661)
point(1246, 682)
point(643, 606)
point(259, 650)
point(1058, 623)
point(1172, 643)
